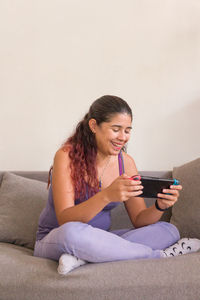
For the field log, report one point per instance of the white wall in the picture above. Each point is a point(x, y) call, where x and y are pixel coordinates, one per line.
point(57, 56)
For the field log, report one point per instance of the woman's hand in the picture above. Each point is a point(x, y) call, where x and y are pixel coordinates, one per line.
point(169, 197)
point(122, 189)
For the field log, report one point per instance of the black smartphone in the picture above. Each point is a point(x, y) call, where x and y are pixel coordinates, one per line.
point(153, 185)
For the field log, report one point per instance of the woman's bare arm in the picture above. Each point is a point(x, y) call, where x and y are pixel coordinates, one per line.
point(63, 194)
point(121, 190)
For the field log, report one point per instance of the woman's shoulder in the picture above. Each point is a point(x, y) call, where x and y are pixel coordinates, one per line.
point(127, 157)
point(129, 164)
point(62, 155)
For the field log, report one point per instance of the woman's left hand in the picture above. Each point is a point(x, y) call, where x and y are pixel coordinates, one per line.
point(168, 197)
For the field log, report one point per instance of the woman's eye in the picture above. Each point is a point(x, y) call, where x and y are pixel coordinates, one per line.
point(117, 130)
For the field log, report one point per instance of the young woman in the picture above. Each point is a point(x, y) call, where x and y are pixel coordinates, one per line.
point(90, 176)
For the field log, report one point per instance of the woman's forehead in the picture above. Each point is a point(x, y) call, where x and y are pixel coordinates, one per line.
point(120, 118)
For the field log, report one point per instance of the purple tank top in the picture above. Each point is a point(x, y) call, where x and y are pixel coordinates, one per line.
point(48, 220)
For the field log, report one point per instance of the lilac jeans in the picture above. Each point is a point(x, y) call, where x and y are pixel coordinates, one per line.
point(96, 245)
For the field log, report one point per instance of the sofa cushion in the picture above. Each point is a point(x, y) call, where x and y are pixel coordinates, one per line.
point(21, 202)
point(186, 212)
point(24, 276)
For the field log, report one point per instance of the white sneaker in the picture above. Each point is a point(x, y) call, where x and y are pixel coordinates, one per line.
point(183, 246)
point(68, 262)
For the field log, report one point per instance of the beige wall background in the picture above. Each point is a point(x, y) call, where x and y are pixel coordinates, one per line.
point(57, 57)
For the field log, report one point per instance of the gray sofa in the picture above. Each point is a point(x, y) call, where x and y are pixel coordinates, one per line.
point(24, 277)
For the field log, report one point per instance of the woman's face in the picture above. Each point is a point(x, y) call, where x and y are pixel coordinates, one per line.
point(113, 135)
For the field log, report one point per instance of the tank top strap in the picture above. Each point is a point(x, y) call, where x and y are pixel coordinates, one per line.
point(121, 163)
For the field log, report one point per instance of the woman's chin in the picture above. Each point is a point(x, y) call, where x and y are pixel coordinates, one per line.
point(115, 151)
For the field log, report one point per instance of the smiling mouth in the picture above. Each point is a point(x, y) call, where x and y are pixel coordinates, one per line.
point(117, 146)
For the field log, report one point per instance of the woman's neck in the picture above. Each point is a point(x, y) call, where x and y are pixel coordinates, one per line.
point(102, 158)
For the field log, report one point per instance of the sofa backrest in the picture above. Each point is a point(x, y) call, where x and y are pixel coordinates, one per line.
point(118, 215)
point(38, 175)
point(43, 175)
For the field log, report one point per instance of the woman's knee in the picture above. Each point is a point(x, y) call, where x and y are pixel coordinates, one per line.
point(71, 233)
point(172, 229)
point(69, 229)
point(58, 241)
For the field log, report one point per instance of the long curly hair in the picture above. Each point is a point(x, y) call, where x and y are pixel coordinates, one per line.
point(82, 144)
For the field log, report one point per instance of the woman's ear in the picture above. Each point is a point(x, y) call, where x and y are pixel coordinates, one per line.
point(92, 124)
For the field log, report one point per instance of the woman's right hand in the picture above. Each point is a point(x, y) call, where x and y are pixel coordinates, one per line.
point(122, 189)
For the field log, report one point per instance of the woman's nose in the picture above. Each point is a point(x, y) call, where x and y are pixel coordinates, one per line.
point(122, 136)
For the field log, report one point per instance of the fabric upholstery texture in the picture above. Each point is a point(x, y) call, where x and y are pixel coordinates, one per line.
point(186, 212)
point(21, 202)
point(27, 277)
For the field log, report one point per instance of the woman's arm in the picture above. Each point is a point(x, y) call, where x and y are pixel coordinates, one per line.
point(152, 215)
point(136, 208)
point(63, 193)
point(142, 216)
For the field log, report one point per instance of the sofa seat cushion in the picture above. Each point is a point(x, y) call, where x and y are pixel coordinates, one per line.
point(21, 202)
point(24, 276)
point(186, 212)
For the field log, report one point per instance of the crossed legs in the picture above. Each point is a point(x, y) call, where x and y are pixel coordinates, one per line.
point(96, 245)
